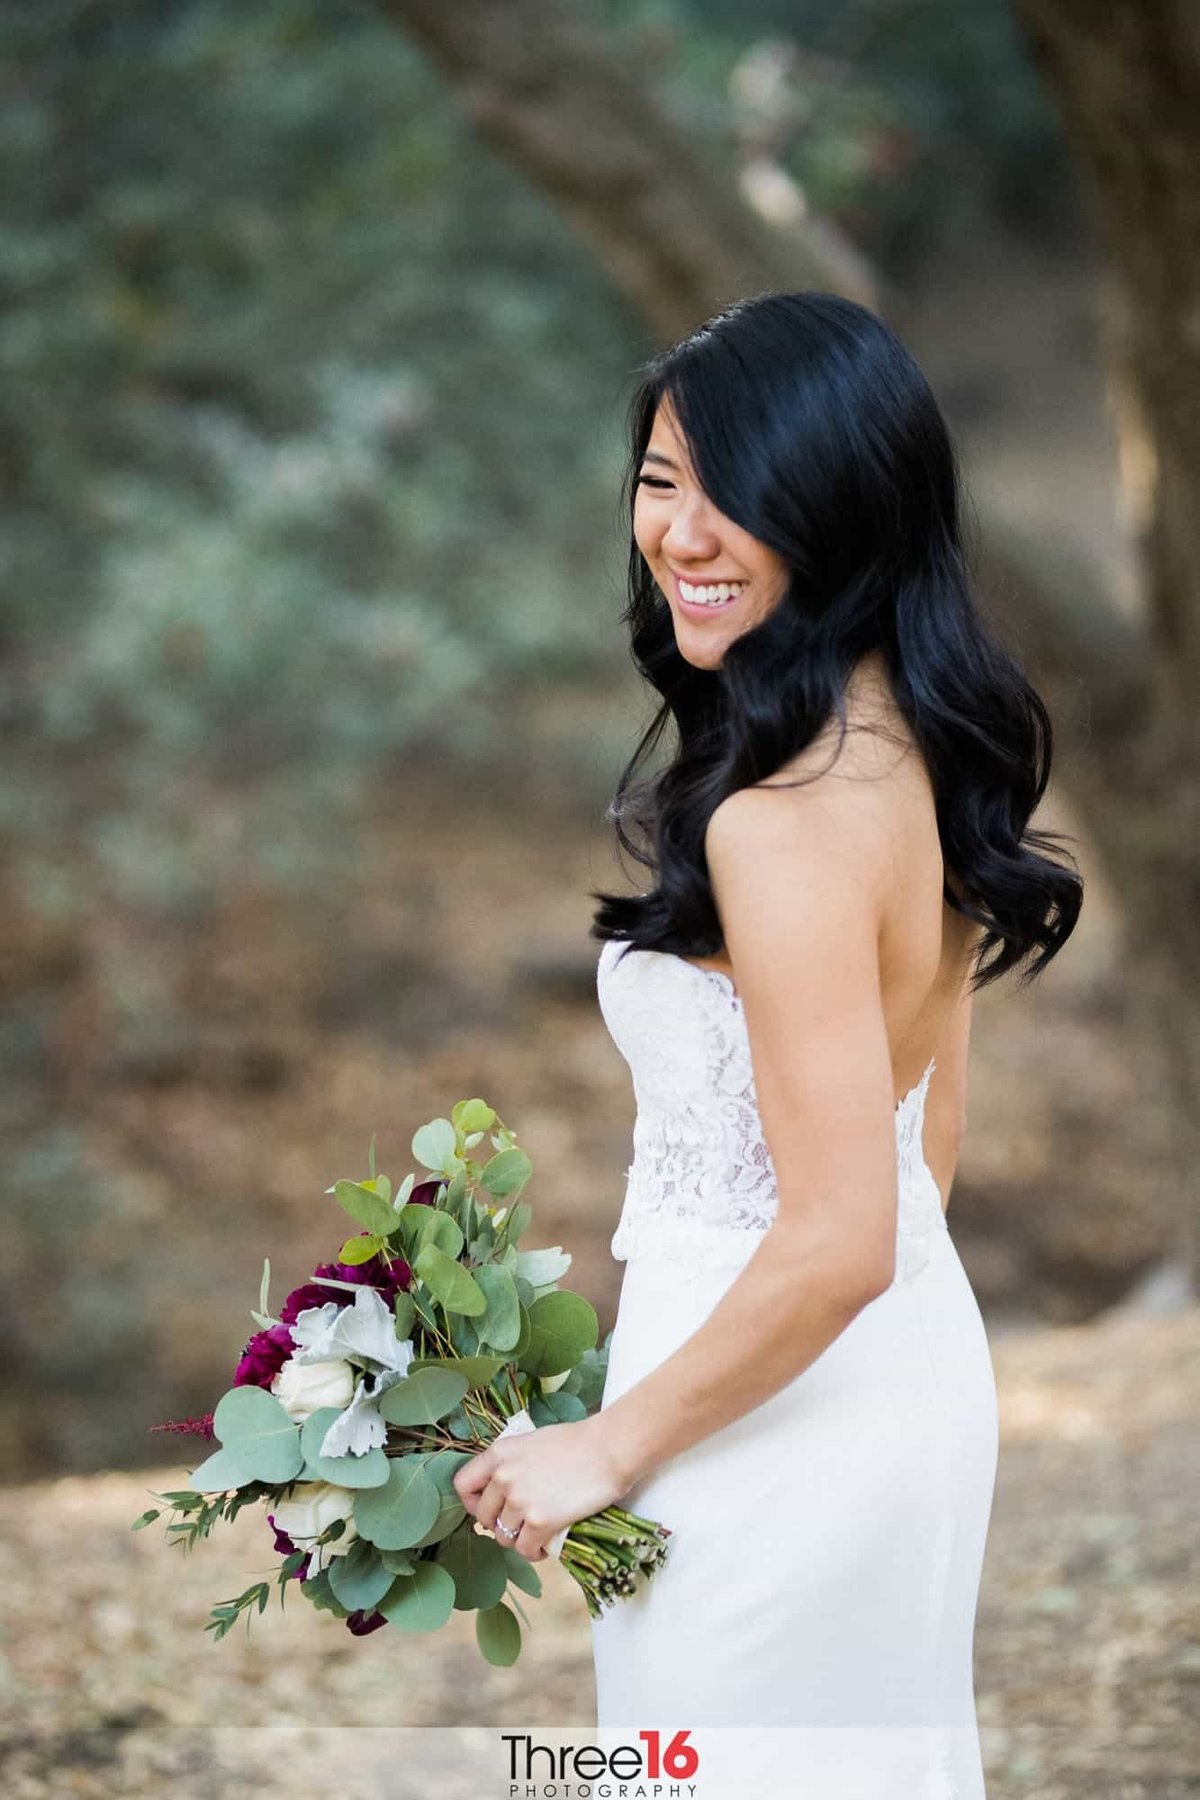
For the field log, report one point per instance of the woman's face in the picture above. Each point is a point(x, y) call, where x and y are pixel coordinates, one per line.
point(692, 550)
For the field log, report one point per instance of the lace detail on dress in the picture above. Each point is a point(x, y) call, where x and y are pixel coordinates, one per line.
point(701, 1188)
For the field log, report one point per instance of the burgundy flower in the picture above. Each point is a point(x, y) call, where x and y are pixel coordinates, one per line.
point(264, 1356)
point(361, 1622)
point(425, 1193)
point(372, 1273)
point(310, 1294)
point(285, 1547)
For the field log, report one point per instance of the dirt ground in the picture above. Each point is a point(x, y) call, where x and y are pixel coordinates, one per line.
point(1087, 1646)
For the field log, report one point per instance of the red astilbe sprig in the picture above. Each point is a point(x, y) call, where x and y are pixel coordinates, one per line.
point(202, 1426)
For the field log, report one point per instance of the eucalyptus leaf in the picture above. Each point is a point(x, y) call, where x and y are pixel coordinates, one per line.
point(423, 1307)
point(463, 1334)
point(506, 1173)
point(260, 1437)
point(477, 1371)
point(541, 1267)
point(449, 1282)
point(443, 1466)
point(458, 1424)
point(399, 1562)
point(405, 1313)
point(521, 1571)
point(361, 1248)
point(479, 1570)
point(218, 1473)
point(518, 1222)
point(414, 1221)
point(397, 1515)
point(556, 1409)
point(366, 1206)
point(360, 1578)
point(562, 1326)
point(511, 1600)
point(522, 1344)
point(424, 1396)
point(435, 1145)
point(587, 1378)
point(421, 1601)
point(500, 1325)
point(318, 1591)
point(498, 1635)
point(473, 1115)
point(444, 1231)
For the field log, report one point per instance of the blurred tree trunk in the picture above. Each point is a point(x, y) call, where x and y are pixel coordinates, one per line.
point(1127, 83)
point(680, 235)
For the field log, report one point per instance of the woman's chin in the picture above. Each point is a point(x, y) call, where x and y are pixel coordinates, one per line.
point(702, 659)
point(704, 654)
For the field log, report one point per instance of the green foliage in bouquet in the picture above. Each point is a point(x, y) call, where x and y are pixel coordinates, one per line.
point(474, 1332)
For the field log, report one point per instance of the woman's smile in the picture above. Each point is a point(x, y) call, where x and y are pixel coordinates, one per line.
point(699, 597)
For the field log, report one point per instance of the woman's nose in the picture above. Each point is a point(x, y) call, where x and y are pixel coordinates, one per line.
point(690, 533)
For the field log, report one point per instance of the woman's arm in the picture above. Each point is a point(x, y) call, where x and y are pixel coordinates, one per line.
point(800, 878)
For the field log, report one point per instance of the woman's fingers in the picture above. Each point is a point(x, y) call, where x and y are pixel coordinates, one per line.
point(473, 1478)
point(491, 1506)
point(528, 1544)
point(485, 1497)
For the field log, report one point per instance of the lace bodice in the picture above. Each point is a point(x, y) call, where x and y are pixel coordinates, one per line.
point(701, 1187)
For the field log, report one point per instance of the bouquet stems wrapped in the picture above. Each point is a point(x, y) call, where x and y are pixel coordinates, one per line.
point(352, 1411)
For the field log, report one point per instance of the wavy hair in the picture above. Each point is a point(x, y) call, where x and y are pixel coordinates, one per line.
point(810, 425)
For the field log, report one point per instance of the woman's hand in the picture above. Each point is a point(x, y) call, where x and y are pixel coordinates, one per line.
point(539, 1481)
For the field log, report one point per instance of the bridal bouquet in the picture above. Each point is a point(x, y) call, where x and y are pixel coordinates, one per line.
point(351, 1412)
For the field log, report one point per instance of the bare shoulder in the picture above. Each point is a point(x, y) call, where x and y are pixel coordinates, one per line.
point(849, 799)
point(815, 817)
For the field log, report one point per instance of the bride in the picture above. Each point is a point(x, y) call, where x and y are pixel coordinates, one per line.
point(799, 1382)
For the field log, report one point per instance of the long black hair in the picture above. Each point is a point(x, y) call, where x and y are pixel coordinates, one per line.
point(810, 425)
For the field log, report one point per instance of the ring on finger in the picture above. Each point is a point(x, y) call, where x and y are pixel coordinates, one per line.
point(507, 1531)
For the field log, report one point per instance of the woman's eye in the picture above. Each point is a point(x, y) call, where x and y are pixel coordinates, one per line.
point(650, 481)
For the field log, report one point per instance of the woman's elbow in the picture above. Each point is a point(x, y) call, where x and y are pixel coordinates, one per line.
point(848, 1275)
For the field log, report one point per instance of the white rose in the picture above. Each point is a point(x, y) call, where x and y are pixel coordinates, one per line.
point(302, 1388)
point(311, 1510)
point(550, 1384)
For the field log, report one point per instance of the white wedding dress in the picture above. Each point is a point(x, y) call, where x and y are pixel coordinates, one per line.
point(820, 1589)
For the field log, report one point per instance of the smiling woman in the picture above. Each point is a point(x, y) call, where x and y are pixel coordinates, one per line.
point(793, 446)
point(708, 567)
point(799, 1377)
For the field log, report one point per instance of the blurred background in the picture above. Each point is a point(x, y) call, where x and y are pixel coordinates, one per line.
point(319, 323)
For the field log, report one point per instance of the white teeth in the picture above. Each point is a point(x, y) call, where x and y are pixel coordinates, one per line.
point(710, 596)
